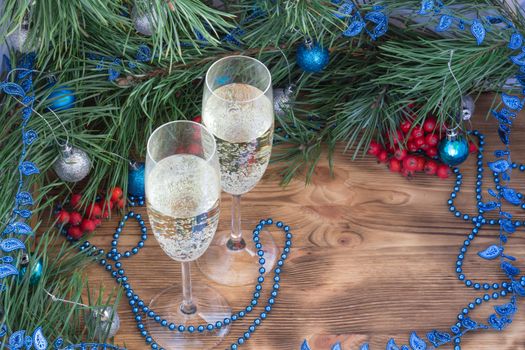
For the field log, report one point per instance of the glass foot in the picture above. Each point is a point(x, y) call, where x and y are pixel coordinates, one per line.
point(211, 307)
point(237, 264)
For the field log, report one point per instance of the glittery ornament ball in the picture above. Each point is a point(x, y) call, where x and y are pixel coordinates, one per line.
point(143, 21)
point(281, 101)
point(36, 272)
point(104, 321)
point(312, 57)
point(73, 164)
point(18, 40)
point(453, 151)
point(62, 99)
point(468, 106)
point(136, 180)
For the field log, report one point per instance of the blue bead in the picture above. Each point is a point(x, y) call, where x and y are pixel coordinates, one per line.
point(495, 286)
point(262, 270)
point(149, 339)
point(263, 315)
point(486, 286)
point(157, 318)
point(218, 324)
point(227, 321)
point(154, 346)
point(260, 253)
point(234, 317)
point(209, 327)
point(461, 277)
point(144, 333)
point(200, 328)
point(465, 311)
point(234, 347)
point(248, 309)
point(181, 328)
point(191, 329)
point(486, 297)
point(140, 326)
point(479, 301)
point(247, 335)
point(257, 321)
point(242, 313)
point(172, 327)
point(495, 295)
point(251, 329)
point(468, 283)
point(477, 286)
point(240, 341)
point(164, 323)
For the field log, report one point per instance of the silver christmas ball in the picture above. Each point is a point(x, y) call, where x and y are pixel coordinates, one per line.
point(144, 21)
point(18, 40)
point(73, 164)
point(103, 321)
point(468, 107)
point(282, 100)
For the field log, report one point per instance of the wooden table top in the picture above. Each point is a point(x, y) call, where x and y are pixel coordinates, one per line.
point(373, 257)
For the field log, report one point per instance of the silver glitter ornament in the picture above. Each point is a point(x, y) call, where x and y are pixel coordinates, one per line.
point(145, 22)
point(468, 107)
point(73, 164)
point(283, 100)
point(103, 321)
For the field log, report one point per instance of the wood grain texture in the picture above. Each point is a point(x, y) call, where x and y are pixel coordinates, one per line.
point(373, 257)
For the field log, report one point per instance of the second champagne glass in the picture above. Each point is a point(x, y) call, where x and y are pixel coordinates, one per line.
point(183, 196)
point(237, 108)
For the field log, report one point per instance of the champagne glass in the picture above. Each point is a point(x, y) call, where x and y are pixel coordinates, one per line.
point(183, 196)
point(237, 108)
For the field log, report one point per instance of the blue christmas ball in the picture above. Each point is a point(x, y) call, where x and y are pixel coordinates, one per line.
point(36, 273)
point(62, 99)
point(136, 180)
point(453, 151)
point(312, 57)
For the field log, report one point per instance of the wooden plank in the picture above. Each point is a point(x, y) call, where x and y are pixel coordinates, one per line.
point(373, 257)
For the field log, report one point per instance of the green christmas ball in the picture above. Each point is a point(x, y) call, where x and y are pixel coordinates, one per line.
point(36, 272)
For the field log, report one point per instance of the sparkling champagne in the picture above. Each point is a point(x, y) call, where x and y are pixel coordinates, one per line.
point(243, 132)
point(183, 205)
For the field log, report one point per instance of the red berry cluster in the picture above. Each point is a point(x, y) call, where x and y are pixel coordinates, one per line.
point(76, 225)
point(414, 149)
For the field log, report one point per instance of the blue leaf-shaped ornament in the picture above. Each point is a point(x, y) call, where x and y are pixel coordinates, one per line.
point(503, 136)
point(518, 288)
point(58, 343)
point(28, 168)
point(511, 196)
point(507, 226)
point(500, 117)
point(7, 270)
point(499, 166)
point(28, 343)
point(391, 345)
point(468, 323)
point(426, 6)
point(488, 206)
point(16, 340)
point(24, 198)
point(113, 74)
point(12, 89)
point(8, 229)
point(512, 102)
point(503, 238)
point(506, 214)
point(404, 347)
point(444, 23)
point(505, 176)
point(7, 259)
point(491, 253)
point(505, 309)
point(39, 341)
point(501, 153)
point(354, 28)
point(344, 10)
point(305, 346)
point(478, 31)
point(515, 42)
point(143, 53)
point(509, 269)
point(508, 114)
point(364, 347)
point(518, 59)
point(438, 338)
point(3, 331)
point(496, 323)
point(22, 228)
point(492, 193)
point(11, 244)
point(24, 213)
point(336, 346)
point(29, 137)
point(416, 342)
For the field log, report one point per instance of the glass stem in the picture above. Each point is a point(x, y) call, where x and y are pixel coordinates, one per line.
point(187, 307)
point(236, 242)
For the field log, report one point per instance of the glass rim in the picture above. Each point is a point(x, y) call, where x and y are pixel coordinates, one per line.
point(202, 126)
point(243, 57)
